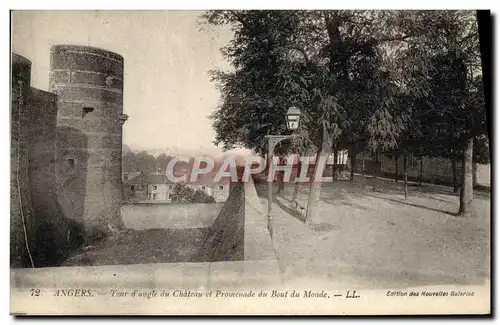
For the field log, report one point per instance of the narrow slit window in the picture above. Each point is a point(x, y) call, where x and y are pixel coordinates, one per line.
point(86, 110)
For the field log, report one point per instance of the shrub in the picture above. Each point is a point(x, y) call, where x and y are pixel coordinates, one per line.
point(184, 194)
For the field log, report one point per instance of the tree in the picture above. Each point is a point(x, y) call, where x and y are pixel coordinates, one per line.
point(162, 162)
point(201, 197)
point(138, 162)
point(129, 162)
point(145, 162)
point(480, 155)
point(439, 85)
point(455, 106)
point(184, 194)
point(328, 63)
point(269, 77)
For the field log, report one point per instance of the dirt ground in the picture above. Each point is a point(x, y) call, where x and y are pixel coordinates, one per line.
point(164, 233)
point(377, 237)
point(142, 246)
point(363, 238)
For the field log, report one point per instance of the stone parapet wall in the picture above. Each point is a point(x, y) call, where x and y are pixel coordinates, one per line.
point(140, 216)
point(258, 242)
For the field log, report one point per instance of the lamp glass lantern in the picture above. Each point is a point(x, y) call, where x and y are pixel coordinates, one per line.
point(293, 118)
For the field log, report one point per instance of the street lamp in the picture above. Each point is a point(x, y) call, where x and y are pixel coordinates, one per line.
point(292, 122)
point(293, 118)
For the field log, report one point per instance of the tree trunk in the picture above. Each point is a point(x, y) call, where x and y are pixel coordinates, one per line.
point(335, 165)
point(295, 191)
point(454, 171)
point(466, 191)
point(396, 165)
point(405, 172)
point(341, 167)
point(315, 187)
point(421, 171)
point(474, 175)
point(281, 187)
point(352, 155)
point(297, 184)
point(376, 174)
point(279, 181)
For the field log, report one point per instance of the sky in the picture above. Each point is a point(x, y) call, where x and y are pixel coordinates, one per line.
point(167, 90)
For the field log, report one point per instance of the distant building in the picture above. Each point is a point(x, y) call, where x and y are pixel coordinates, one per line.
point(158, 188)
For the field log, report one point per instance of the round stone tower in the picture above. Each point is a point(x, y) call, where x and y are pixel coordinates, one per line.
point(89, 85)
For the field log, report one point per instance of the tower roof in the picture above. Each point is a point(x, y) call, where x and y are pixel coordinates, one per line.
point(85, 48)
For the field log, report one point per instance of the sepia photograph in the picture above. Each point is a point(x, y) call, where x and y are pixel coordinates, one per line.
point(250, 162)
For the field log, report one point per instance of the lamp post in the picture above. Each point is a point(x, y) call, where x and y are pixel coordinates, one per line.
point(292, 122)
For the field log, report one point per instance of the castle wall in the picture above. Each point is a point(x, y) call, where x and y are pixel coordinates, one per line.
point(43, 110)
point(20, 195)
point(55, 235)
point(38, 225)
point(89, 85)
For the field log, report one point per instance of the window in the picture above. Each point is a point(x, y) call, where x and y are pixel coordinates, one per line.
point(221, 187)
point(203, 187)
point(132, 188)
point(70, 162)
point(86, 110)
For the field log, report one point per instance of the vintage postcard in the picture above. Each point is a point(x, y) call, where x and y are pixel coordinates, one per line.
point(249, 162)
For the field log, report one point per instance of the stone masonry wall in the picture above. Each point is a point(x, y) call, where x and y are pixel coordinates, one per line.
point(89, 84)
point(20, 195)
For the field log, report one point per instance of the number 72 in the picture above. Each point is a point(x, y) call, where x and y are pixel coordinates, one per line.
point(35, 292)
